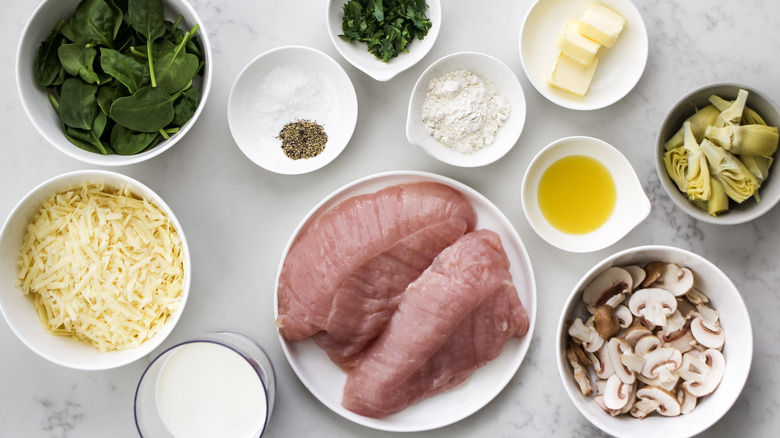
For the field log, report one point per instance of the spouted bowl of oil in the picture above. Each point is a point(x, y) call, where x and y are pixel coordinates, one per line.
point(581, 194)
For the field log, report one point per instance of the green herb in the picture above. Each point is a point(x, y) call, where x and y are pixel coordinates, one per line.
point(121, 75)
point(386, 26)
point(303, 139)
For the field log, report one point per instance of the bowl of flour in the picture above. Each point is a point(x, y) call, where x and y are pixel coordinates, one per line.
point(467, 109)
point(292, 110)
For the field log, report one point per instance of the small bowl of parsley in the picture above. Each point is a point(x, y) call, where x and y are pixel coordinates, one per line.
point(382, 38)
point(113, 83)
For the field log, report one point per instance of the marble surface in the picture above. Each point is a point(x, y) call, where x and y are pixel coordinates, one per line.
point(238, 217)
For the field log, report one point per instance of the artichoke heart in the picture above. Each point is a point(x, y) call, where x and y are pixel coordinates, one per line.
point(732, 115)
point(700, 120)
point(745, 139)
point(737, 180)
point(676, 163)
point(698, 174)
point(749, 115)
point(757, 165)
point(719, 200)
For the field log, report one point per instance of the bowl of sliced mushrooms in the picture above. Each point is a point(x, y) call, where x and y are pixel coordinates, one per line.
point(715, 150)
point(654, 339)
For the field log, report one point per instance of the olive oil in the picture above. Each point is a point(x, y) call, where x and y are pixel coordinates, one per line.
point(577, 194)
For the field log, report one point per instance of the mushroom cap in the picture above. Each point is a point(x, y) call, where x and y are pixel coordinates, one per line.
point(635, 333)
point(624, 316)
point(653, 304)
point(702, 371)
point(670, 276)
point(638, 274)
point(612, 281)
point(586, 334)
point(618, 394)
point(709, 334)
point(687, 401)
point(601, 363)
point(606, 322)
point(668, 405)
point(646, 344)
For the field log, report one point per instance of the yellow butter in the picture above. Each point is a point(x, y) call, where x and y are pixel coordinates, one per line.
point(601, 24)
point(571, 75)
point(572, 43)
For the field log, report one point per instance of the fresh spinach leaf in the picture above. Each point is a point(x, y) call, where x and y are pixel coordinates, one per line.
point(89, 139)
point(184, 108)
point(150, 109)
point(78, 104)
point(176, 67)
point(148, 19)
point(47, 64)
point(79, 60)
point(93, 23)
point(128, 142)
point(132, 73)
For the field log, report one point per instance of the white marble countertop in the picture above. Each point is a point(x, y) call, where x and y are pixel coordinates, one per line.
point(238, 217)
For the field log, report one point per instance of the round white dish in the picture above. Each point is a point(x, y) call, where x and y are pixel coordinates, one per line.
point(738, 349)
point(619, 67)
point(631, 206)
point(489, 68)
point(326, 380)
point(258, 104)
point(356, 53)
point(18, 308)
point(686, 107)
point(39, 109)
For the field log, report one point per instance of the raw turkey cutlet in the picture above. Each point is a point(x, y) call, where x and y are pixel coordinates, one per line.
point(343, 277)
point(453, 319)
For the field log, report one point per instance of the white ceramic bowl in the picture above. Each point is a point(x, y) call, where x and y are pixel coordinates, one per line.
point(631, 206)
point(488, 68)
point(356, 53)
point(281, 86)
point(325, 380)
point(34, 97)
point(619, 67)
point(686, 107)
point(738, 349)
point(18, 309)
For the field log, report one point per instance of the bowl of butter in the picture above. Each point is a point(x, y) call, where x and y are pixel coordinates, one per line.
point(581, 54)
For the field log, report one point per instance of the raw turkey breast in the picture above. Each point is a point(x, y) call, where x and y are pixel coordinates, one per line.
point(453, 319)
point(343, 277)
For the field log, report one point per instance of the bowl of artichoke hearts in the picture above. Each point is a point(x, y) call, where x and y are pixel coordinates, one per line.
point(715, 150)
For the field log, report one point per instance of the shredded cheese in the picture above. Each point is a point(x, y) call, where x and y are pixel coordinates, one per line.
point(104, 267)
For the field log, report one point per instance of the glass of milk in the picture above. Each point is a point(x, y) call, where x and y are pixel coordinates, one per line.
point(219, 384)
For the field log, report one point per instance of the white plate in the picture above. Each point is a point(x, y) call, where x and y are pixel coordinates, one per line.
point(326, 381)
point(356, 53)
point(488, 68)
point(619, 68)
point(631, 205)
point(254, 96)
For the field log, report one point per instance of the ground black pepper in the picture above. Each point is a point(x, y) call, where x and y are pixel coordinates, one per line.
point(303, 139)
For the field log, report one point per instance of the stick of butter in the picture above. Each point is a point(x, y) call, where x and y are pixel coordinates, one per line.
point(572, 43)
point(571, 75)
point(601, 24)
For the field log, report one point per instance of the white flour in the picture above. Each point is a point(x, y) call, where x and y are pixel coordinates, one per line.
point(464, 111)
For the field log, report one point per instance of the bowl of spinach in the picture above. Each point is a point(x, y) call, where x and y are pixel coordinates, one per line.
point(113, 82)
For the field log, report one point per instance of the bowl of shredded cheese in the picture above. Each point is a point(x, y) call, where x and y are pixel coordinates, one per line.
point(94, 270)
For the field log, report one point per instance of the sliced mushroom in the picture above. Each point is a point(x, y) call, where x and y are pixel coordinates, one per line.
point(681, 340)
point(702, 371)
point(708, 334)
point(707, 313)
point(601, 363)
point(618, 395)
point(685, 307)
point(695, 296)
point(633, 361)
point(606, 322)
point(580, 373)
point(624, 316)
point(653, 304)
point(581, 355)
point(638, 274)
point(662, 363)
point(643, 408)
point(635, 333)
point(586, 335)
point(616, 347)
point(611, 282)
point(687, 401)
point(646, 344)
point(668, 405)
point(674, 322)
point(669, 276)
